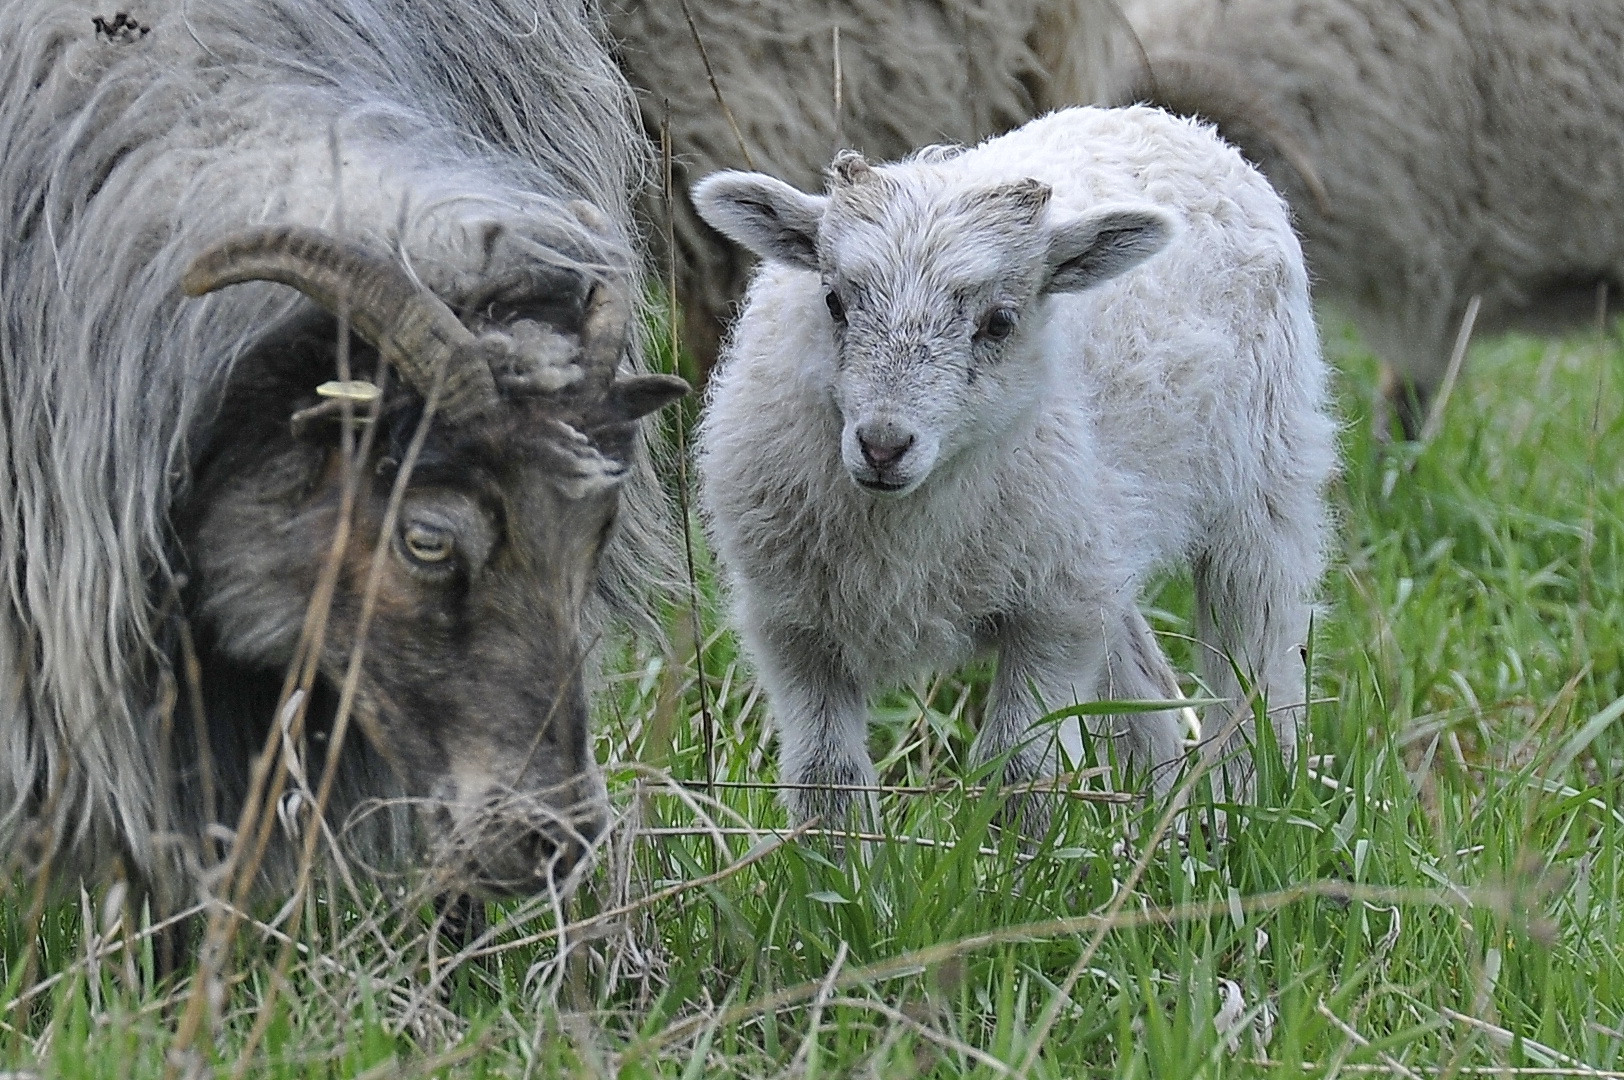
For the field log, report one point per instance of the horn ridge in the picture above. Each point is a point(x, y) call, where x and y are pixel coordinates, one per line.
point(409, 326)
point(605, 326)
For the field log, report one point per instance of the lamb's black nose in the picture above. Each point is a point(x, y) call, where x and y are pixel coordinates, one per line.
point(883, 444)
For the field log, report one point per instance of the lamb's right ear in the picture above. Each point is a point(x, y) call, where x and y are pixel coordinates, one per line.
point(765, 215)
point(1087, 249)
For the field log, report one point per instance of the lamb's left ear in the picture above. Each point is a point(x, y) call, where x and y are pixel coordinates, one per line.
point(1086, 249)
point(766, 215)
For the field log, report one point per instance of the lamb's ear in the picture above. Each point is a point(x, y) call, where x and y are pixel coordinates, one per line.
point(765, 215)
point(1086, 249)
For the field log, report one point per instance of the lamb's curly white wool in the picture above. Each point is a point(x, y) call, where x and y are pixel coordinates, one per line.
point(977, 397)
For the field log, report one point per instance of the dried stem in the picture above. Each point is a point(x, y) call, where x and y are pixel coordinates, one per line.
point(1463, 338)
point(710, 74)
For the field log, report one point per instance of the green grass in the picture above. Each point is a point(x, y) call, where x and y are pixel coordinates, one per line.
point(1442, 898)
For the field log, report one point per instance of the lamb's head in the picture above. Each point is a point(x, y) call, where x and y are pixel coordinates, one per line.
point(937, 292)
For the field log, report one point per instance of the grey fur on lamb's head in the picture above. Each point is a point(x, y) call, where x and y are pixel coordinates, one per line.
point(934, 294)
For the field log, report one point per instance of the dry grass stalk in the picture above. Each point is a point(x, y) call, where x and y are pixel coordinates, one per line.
point(710, 73)
point(346, 702)
point(237, 873)
point(1457, 356)
point(1504, 1038)
point(833, 834)
point(1061, 784)
point(1396, 1067)
point(803, 1052)
point(920, 960)
point(707, 719)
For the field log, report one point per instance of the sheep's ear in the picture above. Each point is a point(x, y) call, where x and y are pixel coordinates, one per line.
point(765, 215)
point(635, 396)
point(1090, 248)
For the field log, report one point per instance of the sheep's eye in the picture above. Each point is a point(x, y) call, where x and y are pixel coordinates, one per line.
point(998, 324)
point(427, 545)
point(837, 310)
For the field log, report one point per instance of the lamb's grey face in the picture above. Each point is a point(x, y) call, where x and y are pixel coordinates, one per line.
point(936, 294)
point(933, 302)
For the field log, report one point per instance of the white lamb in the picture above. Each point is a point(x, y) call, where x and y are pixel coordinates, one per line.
point(958, 415)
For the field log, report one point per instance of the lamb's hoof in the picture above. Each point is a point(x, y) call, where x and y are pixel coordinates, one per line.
point(839, 822)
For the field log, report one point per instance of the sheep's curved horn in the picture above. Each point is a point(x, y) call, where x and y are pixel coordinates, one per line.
point(409, 326)
point(604, 329)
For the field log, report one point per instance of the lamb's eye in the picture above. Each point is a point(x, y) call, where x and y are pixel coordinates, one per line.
point(998, 324)
point(426, 544)
point(837, 310)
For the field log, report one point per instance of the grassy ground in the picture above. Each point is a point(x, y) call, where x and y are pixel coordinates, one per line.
point(1441, 896)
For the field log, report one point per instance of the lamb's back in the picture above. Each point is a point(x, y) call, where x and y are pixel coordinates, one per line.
point(1195, 364)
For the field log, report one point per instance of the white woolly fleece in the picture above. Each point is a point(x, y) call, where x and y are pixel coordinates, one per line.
point(1175, 412)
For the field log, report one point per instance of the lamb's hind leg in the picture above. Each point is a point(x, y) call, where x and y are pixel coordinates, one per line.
point(1046, 664)
point(1138, 671)
point(1254, 588)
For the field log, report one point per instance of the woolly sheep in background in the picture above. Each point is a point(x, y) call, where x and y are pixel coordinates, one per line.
point(1431, 150)
point(911, 72)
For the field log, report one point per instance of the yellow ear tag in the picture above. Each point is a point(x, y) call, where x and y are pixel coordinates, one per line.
point(358, 391)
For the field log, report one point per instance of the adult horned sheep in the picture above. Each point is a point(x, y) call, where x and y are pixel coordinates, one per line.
point(900, 74)
point(1433, 151)
point(958, 415)
point(173, 482)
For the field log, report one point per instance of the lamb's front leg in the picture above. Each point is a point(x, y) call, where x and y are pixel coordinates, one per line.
point(821, 714)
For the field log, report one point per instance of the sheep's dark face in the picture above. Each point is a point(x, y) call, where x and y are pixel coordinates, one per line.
point(471, 676)
point(936, 289)
point(471, 682)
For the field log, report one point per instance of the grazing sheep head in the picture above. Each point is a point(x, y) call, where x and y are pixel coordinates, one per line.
point(471, 685)
point(936, 292)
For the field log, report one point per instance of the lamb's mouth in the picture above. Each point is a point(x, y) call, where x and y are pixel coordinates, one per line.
point(884, 487)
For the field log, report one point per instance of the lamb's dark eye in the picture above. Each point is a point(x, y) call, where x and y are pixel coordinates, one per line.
point(427, 545)
point(837, 310)
point(998, 324)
